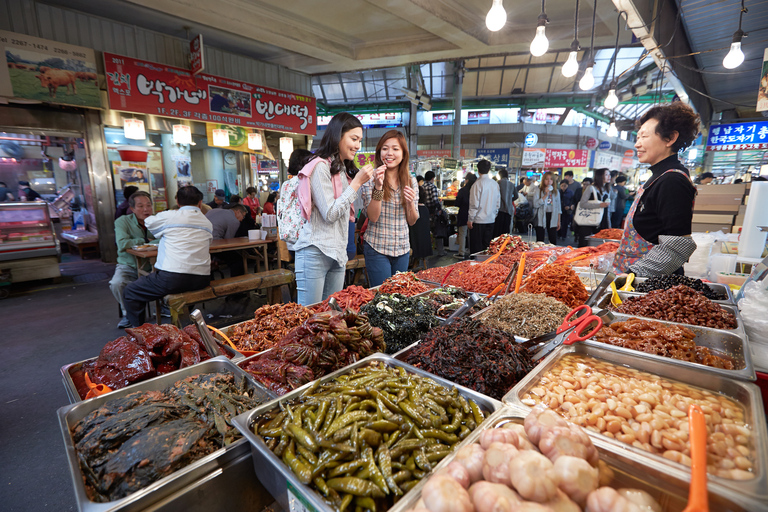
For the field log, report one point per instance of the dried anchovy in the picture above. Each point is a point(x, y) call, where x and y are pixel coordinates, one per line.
point(403, 319)
point(525, 314)
point(473, 355)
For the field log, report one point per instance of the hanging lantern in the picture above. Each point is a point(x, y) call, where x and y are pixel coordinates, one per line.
point(182, 134)
point(221, 138)
point(134, 129)
point(286, 147)
point(254, 141)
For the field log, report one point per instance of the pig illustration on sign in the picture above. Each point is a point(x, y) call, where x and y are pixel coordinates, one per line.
point(55, 78)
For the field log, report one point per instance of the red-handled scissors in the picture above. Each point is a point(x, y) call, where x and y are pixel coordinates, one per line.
point(579, 325)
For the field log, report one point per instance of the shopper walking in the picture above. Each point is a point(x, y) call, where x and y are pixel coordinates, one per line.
point(484, 202)
point(437, 216)
point(462, 202)
point(421, 243)
point(546, 201)
point(390, 200)
point(594, 196)
point(621, 201)
point(508, 194)
point(566, 209)
point(657, 236)
point(328, 185)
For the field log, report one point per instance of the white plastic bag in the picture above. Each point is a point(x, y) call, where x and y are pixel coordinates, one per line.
point(698, 264)
point(753, 307)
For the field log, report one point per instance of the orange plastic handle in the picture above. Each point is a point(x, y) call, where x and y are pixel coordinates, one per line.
point(503, 246)
point(223, 336)
point(697, 495)
point(95, 389)
point(520, 270)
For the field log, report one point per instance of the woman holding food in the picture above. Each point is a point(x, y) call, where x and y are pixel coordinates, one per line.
point(657, 232)
point(328, 185)
point(546, 202)
point(391, 203)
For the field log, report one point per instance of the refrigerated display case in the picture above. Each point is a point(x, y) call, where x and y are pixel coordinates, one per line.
point(29, 248)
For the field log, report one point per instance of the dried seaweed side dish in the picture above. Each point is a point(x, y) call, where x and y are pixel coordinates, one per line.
point(402, 319)
point(133, 441)
point(473, 355)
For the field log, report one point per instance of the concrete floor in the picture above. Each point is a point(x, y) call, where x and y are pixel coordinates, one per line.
point(46, 325)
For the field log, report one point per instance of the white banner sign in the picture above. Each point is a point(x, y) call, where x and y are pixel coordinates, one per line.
point(608, 160)
point(534, 157)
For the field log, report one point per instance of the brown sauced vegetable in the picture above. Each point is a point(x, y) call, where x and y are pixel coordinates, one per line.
point(647, 412)
point(271, 322)
point(130, 442)
point(369, 435)
point(673, 341)
point(525, 314)
point(680, 304)
point(473, 355)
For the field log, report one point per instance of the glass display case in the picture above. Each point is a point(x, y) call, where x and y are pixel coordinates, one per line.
point(29, 248)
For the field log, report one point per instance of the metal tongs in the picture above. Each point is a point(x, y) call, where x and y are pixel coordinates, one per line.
point(463, 309)
point(604, 284)
point(334, 304)
point(210, 344)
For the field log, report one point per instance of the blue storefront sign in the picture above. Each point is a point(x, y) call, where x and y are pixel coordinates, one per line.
point(531, 140)
point(738, 136)
point(497, 156)
point(605, 145)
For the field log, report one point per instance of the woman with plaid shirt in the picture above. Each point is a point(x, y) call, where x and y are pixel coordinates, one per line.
point(391, 203)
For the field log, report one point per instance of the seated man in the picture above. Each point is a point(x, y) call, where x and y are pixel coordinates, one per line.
point(225, 222)
point(218, 199)
point(124, 208)
point(183, 258)
point(130, 230)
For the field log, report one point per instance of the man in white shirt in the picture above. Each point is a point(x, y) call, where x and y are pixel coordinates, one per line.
point(484, 203)
point(183, 257)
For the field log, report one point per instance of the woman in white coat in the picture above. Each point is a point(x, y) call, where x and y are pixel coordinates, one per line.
point(546, 201)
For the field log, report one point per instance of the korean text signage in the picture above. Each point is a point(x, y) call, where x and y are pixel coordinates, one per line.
point(196, 59)
point(592, 143)
point(146, 87)
point(534, 157)
point(48, 71)
point(732, 137)
point(531, 140)
point(566, 158)
point(430, 153)
point(498, 156)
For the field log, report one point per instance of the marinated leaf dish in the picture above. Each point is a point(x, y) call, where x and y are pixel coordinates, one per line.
point(402, 319)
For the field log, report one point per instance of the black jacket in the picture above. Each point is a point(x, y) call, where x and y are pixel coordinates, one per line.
point(462, 201)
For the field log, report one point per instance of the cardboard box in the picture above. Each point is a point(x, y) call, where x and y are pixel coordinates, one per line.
point(716, 208)
point(699, 227)
point(738, 189)
point(743, 209)
point(713, 218)
point(719, 199)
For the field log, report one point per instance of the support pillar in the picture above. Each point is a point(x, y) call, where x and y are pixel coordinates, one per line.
point(457, 99)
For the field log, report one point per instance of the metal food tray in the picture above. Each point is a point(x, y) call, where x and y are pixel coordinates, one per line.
point(722, 343)
point(598, 276)
point(71, 388)
point(140, 500)
point(605, 303)
point(592, 241)
point(744, 393)
point(668, 486)
point(717, 287)
point(280, 480)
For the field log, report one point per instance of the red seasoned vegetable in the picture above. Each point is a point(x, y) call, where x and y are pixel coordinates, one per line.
point(352, 297)
point(559, 282)
point(404, 283)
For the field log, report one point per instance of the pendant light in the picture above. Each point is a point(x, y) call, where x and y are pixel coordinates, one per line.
point(612, 130)
point(735, 56)
point(571, 66)
point(134, 129)
point(588, 80)
point(254, 142)
point(221, 138)
point(182, 134)
point(612, 101)
point(540, 43)
point(496, 17)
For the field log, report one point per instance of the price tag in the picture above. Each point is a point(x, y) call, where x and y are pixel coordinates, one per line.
point(297, 502)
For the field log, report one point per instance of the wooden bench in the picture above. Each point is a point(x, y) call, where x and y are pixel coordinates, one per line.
point(358, 265)
point(276, 281)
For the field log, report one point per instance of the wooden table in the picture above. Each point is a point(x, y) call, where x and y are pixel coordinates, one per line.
point(219, 245)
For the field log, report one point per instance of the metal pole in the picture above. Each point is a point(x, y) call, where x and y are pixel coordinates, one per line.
point(457, 91)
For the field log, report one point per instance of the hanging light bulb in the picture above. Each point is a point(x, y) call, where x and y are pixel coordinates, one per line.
point(611, 101)
point(588, 80)
point(571, 66)
point(735, 56)
point(540, 43)
point(496, 17)
point(612, 130)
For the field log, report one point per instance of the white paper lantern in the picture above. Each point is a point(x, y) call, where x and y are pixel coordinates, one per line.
point(134, 129)
point(286, 147)
point(254, 141)
point(182, 134)
point(221, 138)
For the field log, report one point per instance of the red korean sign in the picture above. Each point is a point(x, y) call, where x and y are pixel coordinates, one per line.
point(566, 158)
point(145, 87)
point(196, 59)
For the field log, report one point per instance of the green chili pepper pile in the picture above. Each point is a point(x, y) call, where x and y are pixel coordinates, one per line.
point(368, 436)
point(402, 319)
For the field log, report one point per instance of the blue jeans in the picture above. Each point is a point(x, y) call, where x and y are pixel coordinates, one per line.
point(317, 276)
point(380, 267)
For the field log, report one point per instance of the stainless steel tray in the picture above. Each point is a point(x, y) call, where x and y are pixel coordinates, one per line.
point(280, 480)
point(593, 241)
point(605, 303)
point(722, 343)
point(71, 388)
point(744, 393)
point(717, 287)
point(161, 489)
point(668, 486)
